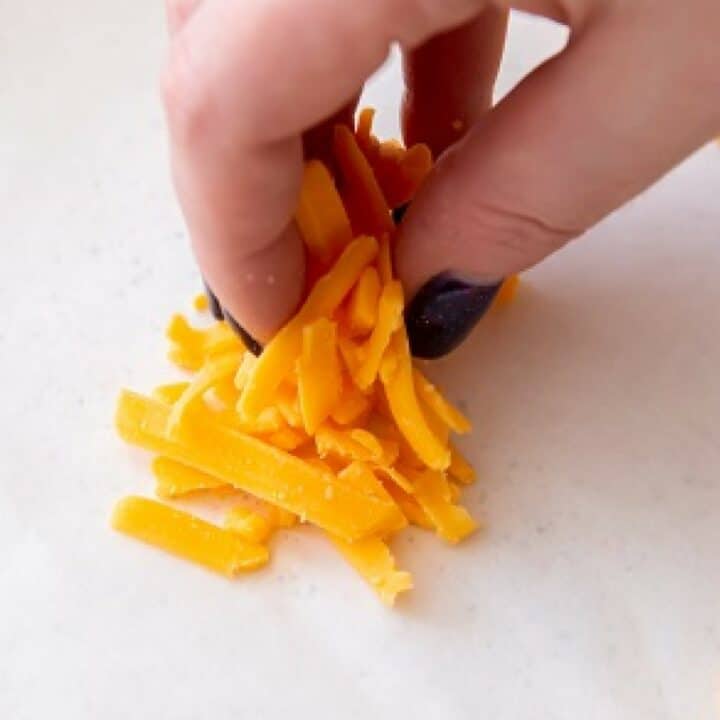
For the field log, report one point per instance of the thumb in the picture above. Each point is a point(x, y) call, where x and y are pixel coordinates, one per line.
point(631, 96)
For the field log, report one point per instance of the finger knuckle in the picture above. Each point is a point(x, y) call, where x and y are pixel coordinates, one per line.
point(523, 235)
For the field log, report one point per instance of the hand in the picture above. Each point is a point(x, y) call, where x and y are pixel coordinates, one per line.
point(636, 90)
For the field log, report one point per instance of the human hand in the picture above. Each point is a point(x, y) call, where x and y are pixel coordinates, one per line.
point(636, 90)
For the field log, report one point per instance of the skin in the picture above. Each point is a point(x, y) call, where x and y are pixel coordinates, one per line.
point(636, 90)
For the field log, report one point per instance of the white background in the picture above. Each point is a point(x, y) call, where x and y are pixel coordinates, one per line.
point(594, 591)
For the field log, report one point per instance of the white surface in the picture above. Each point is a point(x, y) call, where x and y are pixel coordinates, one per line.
point(596, 398)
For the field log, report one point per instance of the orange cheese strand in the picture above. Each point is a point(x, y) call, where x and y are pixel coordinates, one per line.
point(217, 338)
point(200, 302)
point(187, 536)
point(410, 507)
point(170, 392)
point(278, 358)
point(363, 131)
point(397, 378)
point(173, 479)
point(257, 468)
point(386, 451)
point(332, 288)
point(384, 261)
point(373, 560)
point(395, 477)
point(343, 445)
point(275, 516)
point(352, 406)
point(352, 354)
point(438, 428)
point(281, 518)
point(319, 376)
point(455, 492)
point(288, 403)
point(225, 392)
point(460, 469)
point(390, 314)
point(444, 410)
point(507, 292)
point(250, 525)
point(364, 200)
point(247, 365)
point(452, 522)
point(185, 359)
point(320, 214)
point(182, 333)
point(355, 445)
point(361, 477)
point(270, 420)
point(363, 305)
point(220, 338)
point(213, 372)
point(400, 172)
point(288, 439)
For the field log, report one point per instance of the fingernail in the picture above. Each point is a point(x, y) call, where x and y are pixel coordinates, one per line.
point(215, 308)
point(398, 213)
point(250, 342)
point(443, 313)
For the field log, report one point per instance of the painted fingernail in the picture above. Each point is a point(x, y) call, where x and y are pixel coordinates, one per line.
point(215, 308)
point(250, 342)
point(443, 313)
point(398, 213)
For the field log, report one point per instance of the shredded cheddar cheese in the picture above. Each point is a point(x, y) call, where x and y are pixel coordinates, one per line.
point(249, 524)
point(373, 560)
point(332, 425)
point(363, 307)
point(320, 214)
point(187, 536)
point(254, 466)
point(173, 479)
point(390, 308)
point(319, 373)
point(279, 357)
point(201, 302)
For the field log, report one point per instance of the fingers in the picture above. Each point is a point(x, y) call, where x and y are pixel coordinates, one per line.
point(633, 94)
point(449, 80)
point(244, 82)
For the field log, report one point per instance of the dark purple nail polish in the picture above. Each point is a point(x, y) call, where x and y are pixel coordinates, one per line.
point(249, 341)
point(398, 213)
point(215, 308)
point(443, 313)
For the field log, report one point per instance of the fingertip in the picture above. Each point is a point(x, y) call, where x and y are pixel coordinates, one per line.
point(248, 340)
point(258, 293)
point(444, 312)
point(220, 314)
point(213, 304)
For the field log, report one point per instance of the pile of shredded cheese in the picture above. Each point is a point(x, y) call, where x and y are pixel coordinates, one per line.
point(332, 425)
